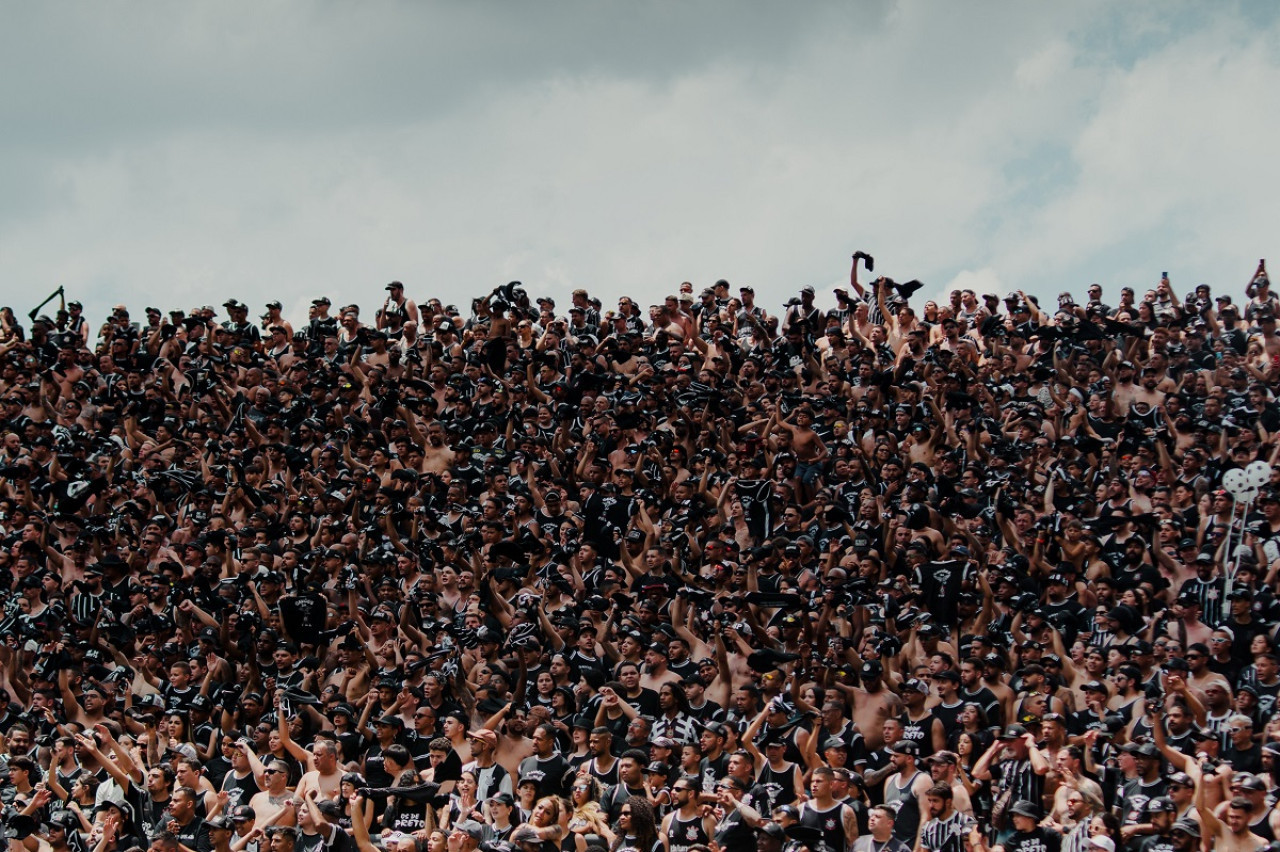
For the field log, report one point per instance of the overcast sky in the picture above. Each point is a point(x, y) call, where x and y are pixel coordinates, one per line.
point(179, 154)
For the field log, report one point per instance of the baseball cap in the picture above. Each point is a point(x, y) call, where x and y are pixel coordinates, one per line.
point(1249, 782)
point(485, 735)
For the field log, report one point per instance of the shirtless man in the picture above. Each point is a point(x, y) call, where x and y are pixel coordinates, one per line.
point(656, 671)
point(811, 452)
point(1148, 391)
point(872, 704)
point(1123, 393)
point(1231, 834)
point(513, 745)
point(327, 775)
point(93, 698)
point(276, 798)
point(436, 455)
point(273, 319)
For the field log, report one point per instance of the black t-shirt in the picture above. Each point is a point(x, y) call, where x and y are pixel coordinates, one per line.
point(193, 835)
point(1157, 843)
point(551, 774)
point(1037, 840)
point(712, 771)
point(646, 702)
point(1134, 799)
point(988, 701)
point(1248, 760)
point(338, 841)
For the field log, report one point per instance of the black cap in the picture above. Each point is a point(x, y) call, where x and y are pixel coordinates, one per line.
point(1249, 782)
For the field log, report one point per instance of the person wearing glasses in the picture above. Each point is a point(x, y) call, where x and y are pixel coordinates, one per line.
point(1242, 752)
point(276, 798)
point(688, 824)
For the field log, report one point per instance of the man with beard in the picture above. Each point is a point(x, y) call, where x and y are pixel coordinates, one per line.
point(973, 690)
point(919, 725)
point(513, 745)
point(1185, 835)
point(1145, 786)
point(947, 828)
point(1232, 833)
point(687, 825)
point(1021, 767)
point(872, 704)
point(1074, 824)
point(1160, 818)
point(546, 765)
point(904, 791)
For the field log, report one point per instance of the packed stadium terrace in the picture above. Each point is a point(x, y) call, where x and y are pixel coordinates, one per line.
point(699, 574)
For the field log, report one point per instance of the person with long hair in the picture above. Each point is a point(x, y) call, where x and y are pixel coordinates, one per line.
point(462, 803)
point(973, 721)
point(584, 798)
point(351, 782)
point(544, 820)
point(636, 829)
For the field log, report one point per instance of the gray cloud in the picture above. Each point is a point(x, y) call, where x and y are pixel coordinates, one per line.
point(182, 153)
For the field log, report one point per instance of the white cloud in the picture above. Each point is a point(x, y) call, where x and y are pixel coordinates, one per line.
point(184, 154)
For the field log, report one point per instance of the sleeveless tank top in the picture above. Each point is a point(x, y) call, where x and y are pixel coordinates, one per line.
point(828, 822)
point(904, 802)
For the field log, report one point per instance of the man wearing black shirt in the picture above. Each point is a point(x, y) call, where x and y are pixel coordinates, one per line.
point(187, 828)
point(973, 690)
point(1028, 835)
point(1242, 752)
point(630, 783)
point(1161, 813)
point(1148, 784)
point(319, 823)
point(546, 765)
point(643, 699)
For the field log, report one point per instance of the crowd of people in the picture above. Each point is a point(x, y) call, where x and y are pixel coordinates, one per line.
point(958, 576)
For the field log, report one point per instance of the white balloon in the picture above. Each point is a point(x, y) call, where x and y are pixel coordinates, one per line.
point(1246, 495)
point(1259, 473)
point(1234, 480)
